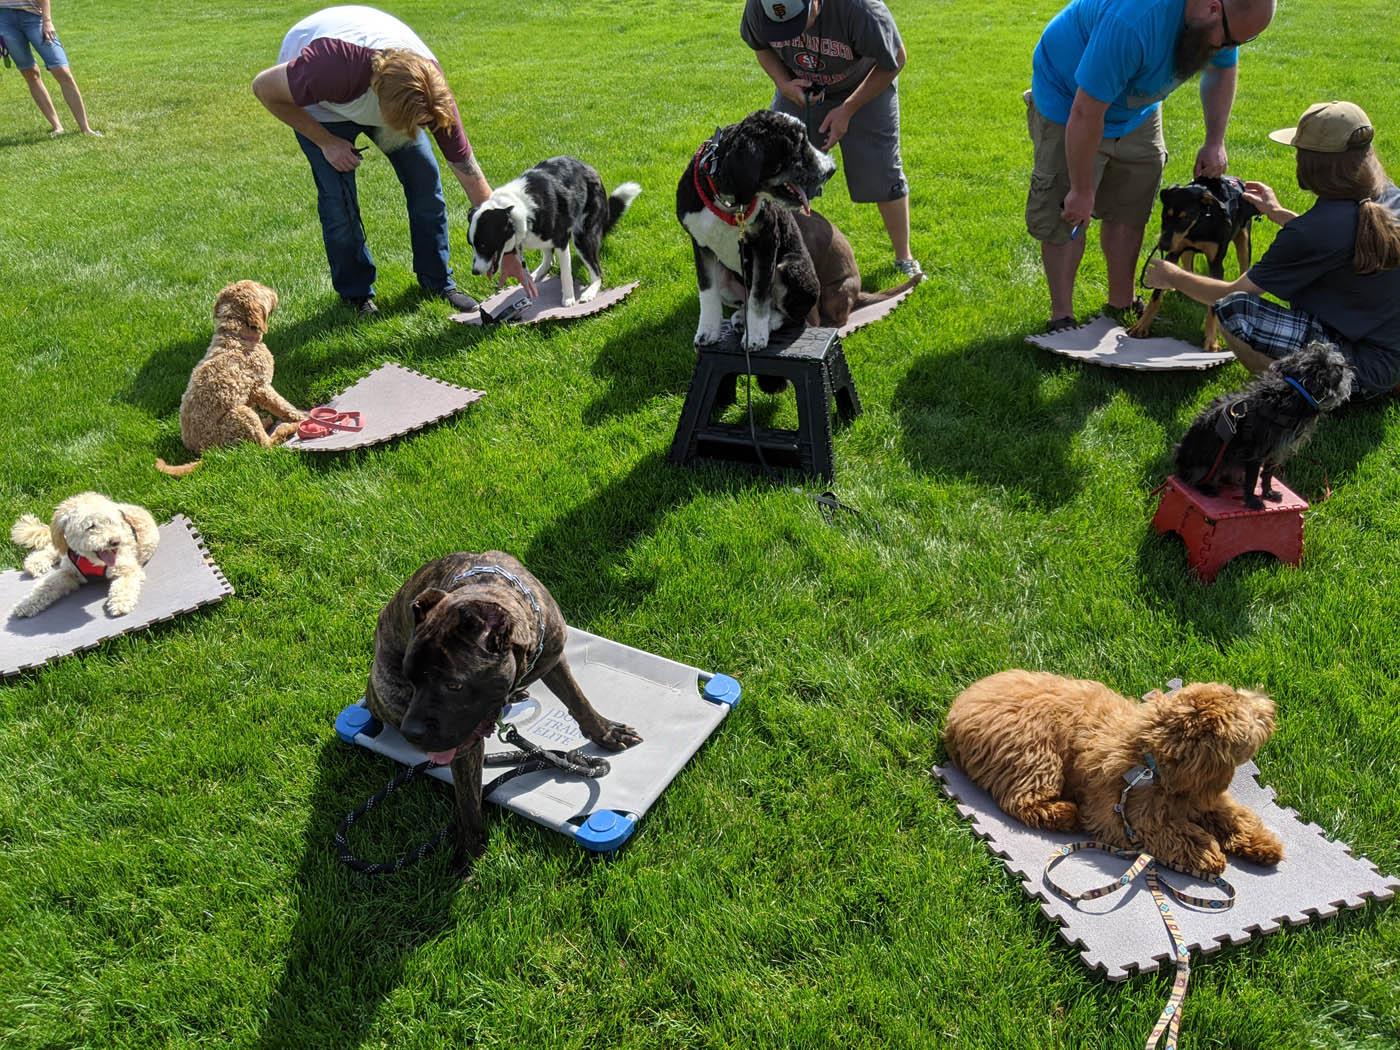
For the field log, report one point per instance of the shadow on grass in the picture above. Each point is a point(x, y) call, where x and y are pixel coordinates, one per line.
point(654, 359)
point(354, 932)
point(1005, 414)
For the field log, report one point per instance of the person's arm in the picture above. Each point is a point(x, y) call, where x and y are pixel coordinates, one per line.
point(790, 87)
point(46, 28)
point(1203, 289)
point(1083, 133)
point(1217, 96)
point(274, 92)
point(478, 191)
point(1262, 196)
point(839, 119)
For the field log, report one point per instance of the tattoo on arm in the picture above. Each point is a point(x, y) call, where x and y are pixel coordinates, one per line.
point(468, 167)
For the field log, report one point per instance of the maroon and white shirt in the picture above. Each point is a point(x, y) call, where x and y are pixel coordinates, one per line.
point(328, 56)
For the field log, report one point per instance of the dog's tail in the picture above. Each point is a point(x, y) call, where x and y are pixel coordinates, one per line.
point(869, 298)
point(177, 471)
point(30, 532)
point(619, 201)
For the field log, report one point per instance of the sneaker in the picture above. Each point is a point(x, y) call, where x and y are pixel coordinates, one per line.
point(363, 305)
point(459, 299)
point(909, 267)
point(1127, 316)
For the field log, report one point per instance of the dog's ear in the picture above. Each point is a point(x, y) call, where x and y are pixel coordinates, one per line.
point(471, 214)
point(739, 168)
point(486, 626)
point(1163, 195)
point(425, 601)
point(56, 531)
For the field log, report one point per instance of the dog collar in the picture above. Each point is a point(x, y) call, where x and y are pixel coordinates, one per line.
point(1143, 775)
point(496, 570)
point(1302, 390)
point(704, 160)
point(94, 569)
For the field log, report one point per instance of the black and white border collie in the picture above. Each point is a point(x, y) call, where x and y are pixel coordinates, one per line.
point(736, 201)
point(557, 201)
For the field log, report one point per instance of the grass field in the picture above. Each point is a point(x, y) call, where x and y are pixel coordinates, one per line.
point(167, 800)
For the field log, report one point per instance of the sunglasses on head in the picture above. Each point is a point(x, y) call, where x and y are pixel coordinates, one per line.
point(1230, 40)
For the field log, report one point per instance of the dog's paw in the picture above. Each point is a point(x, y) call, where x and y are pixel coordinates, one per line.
point(708, 336)
point(39, 563)
point(588, 294)
point(25, 609)
point(1140, 329)
point(1262, 847)
point(1253, 502)
point(121, 604)
point(755, 339)
point(618, 737)
point(1210, 859)
point(1272, 495)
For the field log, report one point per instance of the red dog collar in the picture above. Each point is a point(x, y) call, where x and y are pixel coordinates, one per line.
point(88, 568)
point(731, 217)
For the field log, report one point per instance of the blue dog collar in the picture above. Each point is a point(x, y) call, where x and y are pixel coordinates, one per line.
point(1302, 390)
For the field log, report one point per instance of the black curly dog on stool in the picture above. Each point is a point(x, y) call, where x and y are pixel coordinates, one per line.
point(1247, 435)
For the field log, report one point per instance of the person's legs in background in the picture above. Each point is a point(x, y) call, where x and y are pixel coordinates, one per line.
point(337, 203)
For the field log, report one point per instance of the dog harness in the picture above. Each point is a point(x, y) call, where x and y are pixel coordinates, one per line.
point(1228, 424)
point(704, 160)
point(1142, 863)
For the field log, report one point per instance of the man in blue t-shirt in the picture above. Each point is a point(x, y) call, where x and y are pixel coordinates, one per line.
point(1100, 72)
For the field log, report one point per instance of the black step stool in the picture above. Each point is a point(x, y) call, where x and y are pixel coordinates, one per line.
point(810, 358)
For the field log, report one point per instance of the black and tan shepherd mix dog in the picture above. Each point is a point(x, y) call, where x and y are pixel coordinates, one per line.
point(1203, 217)
point(458, 640)
point(736, 200)
point(1248, 434)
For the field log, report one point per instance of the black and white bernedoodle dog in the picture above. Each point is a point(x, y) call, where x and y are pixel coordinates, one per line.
point(1248, 434)
point(558, 201)
point(736, 200)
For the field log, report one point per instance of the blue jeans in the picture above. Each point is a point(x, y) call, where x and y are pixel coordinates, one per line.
point(23, 30)
point(352, 268)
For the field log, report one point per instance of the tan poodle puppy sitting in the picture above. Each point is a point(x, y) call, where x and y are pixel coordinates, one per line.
point(90, 537)
point(234, 380)
point(1058, 753)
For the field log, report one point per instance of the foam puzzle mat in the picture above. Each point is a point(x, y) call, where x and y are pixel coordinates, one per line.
point(548, 305)
point(180, 577)
point(1103, 341)
point(393, 401)
point(1123, 934)
point(675, 708)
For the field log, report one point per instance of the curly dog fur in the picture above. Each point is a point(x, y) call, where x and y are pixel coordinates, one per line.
point(1261, 425)
point(233, 380)
point(1053, 752)
point(117, 537)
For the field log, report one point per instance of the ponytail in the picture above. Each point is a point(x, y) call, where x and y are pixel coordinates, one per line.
point(1377, 239)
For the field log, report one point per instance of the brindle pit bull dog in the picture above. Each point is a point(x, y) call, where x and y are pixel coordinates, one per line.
point(837, 272)
point(450, 649)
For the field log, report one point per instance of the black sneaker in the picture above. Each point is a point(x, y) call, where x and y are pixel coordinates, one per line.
point(458, 299)
point(363, 305)
point(1127, 316)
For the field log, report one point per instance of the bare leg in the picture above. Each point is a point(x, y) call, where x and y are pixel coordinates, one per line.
point(895, 213)
point(1121, 246)
point(1251, 358)
point(41, 96)
point(1061, 263)
point(72, 96)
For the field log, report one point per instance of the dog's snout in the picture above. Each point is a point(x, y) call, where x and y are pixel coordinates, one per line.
point(415, 728)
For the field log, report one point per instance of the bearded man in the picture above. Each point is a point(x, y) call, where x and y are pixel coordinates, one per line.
point(1094, 112)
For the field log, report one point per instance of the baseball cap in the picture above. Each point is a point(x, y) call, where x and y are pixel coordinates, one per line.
point(1326, 127)
point(781, 19)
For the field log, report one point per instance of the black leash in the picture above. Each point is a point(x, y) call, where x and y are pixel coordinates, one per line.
point(532, 759)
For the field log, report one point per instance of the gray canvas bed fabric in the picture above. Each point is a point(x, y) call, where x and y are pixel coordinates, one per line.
point(547, 305)
point(1123, 933)
point(393, 401)
point(660, 698)
point(1104, 341)
point(180, 577)
point(872, 313)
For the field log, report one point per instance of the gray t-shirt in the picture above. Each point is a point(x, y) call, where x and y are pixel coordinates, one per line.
point(847, 40)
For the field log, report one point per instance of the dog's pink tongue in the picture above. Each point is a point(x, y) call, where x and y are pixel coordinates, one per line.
point(109, 556)
point(806, 207)
point(442, 758)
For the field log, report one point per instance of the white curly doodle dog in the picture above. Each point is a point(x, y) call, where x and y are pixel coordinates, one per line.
point(90, 537)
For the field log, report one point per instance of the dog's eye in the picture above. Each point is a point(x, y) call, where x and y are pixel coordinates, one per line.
point(452, 687)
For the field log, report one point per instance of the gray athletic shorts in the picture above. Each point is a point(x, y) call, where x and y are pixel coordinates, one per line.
point(869, 149)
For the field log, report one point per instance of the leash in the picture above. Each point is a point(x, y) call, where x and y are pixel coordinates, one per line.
point(531, 759)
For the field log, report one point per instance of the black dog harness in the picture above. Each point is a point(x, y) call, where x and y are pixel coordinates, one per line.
point(1227, 425)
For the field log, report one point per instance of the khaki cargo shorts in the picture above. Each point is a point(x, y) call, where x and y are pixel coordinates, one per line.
point(1127, 174)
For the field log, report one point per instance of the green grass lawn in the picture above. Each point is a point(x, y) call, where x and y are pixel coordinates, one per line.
point(167, 800)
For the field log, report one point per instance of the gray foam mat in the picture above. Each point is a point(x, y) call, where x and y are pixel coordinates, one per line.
point(660, 698)
point(547, 306)
point(1103, 341)
point(1123, 933)
point(392, 401)
point(180, 577)
point(872, 313)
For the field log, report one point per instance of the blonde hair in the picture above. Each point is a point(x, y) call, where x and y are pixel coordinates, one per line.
point(1356, 175)
point(412, 92)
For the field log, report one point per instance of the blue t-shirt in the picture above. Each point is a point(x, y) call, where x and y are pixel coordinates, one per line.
point(1119, 51)
point(1309, 265)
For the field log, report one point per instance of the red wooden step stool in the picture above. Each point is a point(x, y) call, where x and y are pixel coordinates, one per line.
point(1218, 528)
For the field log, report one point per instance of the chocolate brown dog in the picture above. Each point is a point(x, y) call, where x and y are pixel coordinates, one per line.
point(463, 635)
point(837, 272)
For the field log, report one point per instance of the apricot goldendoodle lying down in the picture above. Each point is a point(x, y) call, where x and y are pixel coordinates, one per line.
point(1058, 752)
point(90, 537)
point(234, 380)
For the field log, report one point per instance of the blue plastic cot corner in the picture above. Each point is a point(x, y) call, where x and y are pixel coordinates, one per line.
point(605, 830)
point(355, 720)
point(721, 689)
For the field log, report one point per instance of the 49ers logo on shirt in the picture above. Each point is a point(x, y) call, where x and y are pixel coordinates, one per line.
point(780, 11)
point(808, 62)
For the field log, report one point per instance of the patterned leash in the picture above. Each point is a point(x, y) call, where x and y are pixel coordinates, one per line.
point(532, 759)
point(1144, 864)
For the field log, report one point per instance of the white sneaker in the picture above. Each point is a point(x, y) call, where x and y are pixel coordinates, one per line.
point(908, 267)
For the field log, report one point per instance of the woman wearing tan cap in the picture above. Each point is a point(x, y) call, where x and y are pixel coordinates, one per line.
point(1337, 264)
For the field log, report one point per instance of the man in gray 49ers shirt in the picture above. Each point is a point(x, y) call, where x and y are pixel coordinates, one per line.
point(347, 71)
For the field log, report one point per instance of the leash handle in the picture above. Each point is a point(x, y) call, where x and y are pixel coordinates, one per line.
point(409, 859)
